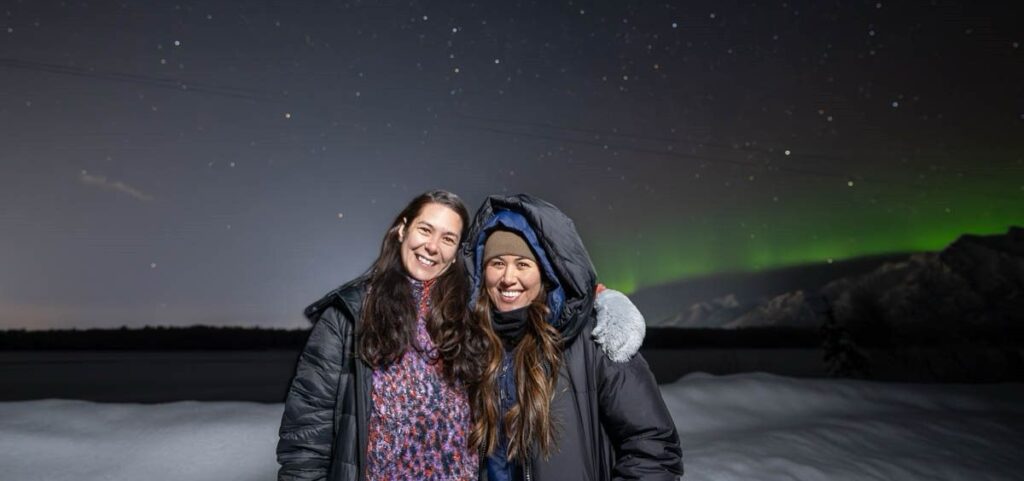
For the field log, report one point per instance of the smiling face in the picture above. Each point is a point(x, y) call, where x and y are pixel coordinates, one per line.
point(512, 282)
point(430, 241)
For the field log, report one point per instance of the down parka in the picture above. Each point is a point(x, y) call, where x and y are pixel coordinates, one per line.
point(324, 427)
point(611, 420)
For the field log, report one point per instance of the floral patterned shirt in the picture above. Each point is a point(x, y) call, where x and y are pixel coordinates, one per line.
point(419, 427)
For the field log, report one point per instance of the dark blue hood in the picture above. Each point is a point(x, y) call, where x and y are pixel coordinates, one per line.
point(552, 235)
point(515, 222)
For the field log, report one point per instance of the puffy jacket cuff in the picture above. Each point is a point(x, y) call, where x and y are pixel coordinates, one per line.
point(620, 326)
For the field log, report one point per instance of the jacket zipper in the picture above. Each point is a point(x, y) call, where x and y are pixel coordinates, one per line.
point(526, 471)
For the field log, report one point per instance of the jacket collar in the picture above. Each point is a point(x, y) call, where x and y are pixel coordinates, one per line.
point(348, 296)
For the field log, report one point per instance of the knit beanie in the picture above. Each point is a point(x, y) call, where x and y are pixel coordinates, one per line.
point(502, 242)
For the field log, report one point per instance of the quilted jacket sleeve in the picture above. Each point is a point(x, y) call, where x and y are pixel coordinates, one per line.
point(643, 435)
point(307, 431)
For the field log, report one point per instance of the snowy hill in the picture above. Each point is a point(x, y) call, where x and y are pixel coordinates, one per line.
point(742, 427)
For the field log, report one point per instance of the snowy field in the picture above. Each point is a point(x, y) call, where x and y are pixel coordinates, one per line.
point(740, 427)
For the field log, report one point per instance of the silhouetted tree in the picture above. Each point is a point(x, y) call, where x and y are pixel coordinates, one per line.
point(842, 356)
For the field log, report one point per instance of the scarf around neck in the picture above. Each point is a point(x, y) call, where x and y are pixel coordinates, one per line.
point(510, 325)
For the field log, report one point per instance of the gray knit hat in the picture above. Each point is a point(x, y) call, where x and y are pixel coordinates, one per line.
point(502, 242)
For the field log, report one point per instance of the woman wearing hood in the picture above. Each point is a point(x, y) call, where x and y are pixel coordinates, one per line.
point(551, 405)
point(379, 391)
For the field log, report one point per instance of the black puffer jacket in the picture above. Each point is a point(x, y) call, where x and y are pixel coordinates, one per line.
point(612, 422)
point(324, 427)
point(323, 431)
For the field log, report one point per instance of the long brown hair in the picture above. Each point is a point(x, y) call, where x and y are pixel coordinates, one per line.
point(388, 322)
point(535, 361)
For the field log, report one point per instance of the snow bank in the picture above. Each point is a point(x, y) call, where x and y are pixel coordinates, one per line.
point(742, 427)
point(57, 440)
point(766, 427)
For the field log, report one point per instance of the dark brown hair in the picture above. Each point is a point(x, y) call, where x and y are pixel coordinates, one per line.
point(388, 322)
point(535, 361)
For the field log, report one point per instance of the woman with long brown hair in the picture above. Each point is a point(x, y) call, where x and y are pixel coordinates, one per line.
point(379, 390)
point(550, 405)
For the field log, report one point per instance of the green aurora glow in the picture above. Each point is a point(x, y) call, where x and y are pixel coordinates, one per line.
point(799, 231)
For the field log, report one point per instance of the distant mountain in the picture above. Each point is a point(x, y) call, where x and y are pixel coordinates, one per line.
point(714, 301)
point(975, 282)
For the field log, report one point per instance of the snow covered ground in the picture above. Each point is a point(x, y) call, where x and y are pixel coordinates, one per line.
point(765, 427)
point(740, 427)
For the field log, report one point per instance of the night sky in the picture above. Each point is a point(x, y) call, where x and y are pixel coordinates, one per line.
point(227, 162)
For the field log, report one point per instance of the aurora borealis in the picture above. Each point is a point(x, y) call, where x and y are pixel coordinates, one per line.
point(226, 164)
point(777, 238)
point(830, 220)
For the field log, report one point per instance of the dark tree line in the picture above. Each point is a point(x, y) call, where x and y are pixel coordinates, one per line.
point(155, 339)
point(867, 335)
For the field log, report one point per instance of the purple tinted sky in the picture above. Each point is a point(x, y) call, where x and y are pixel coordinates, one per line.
point(227, 163)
